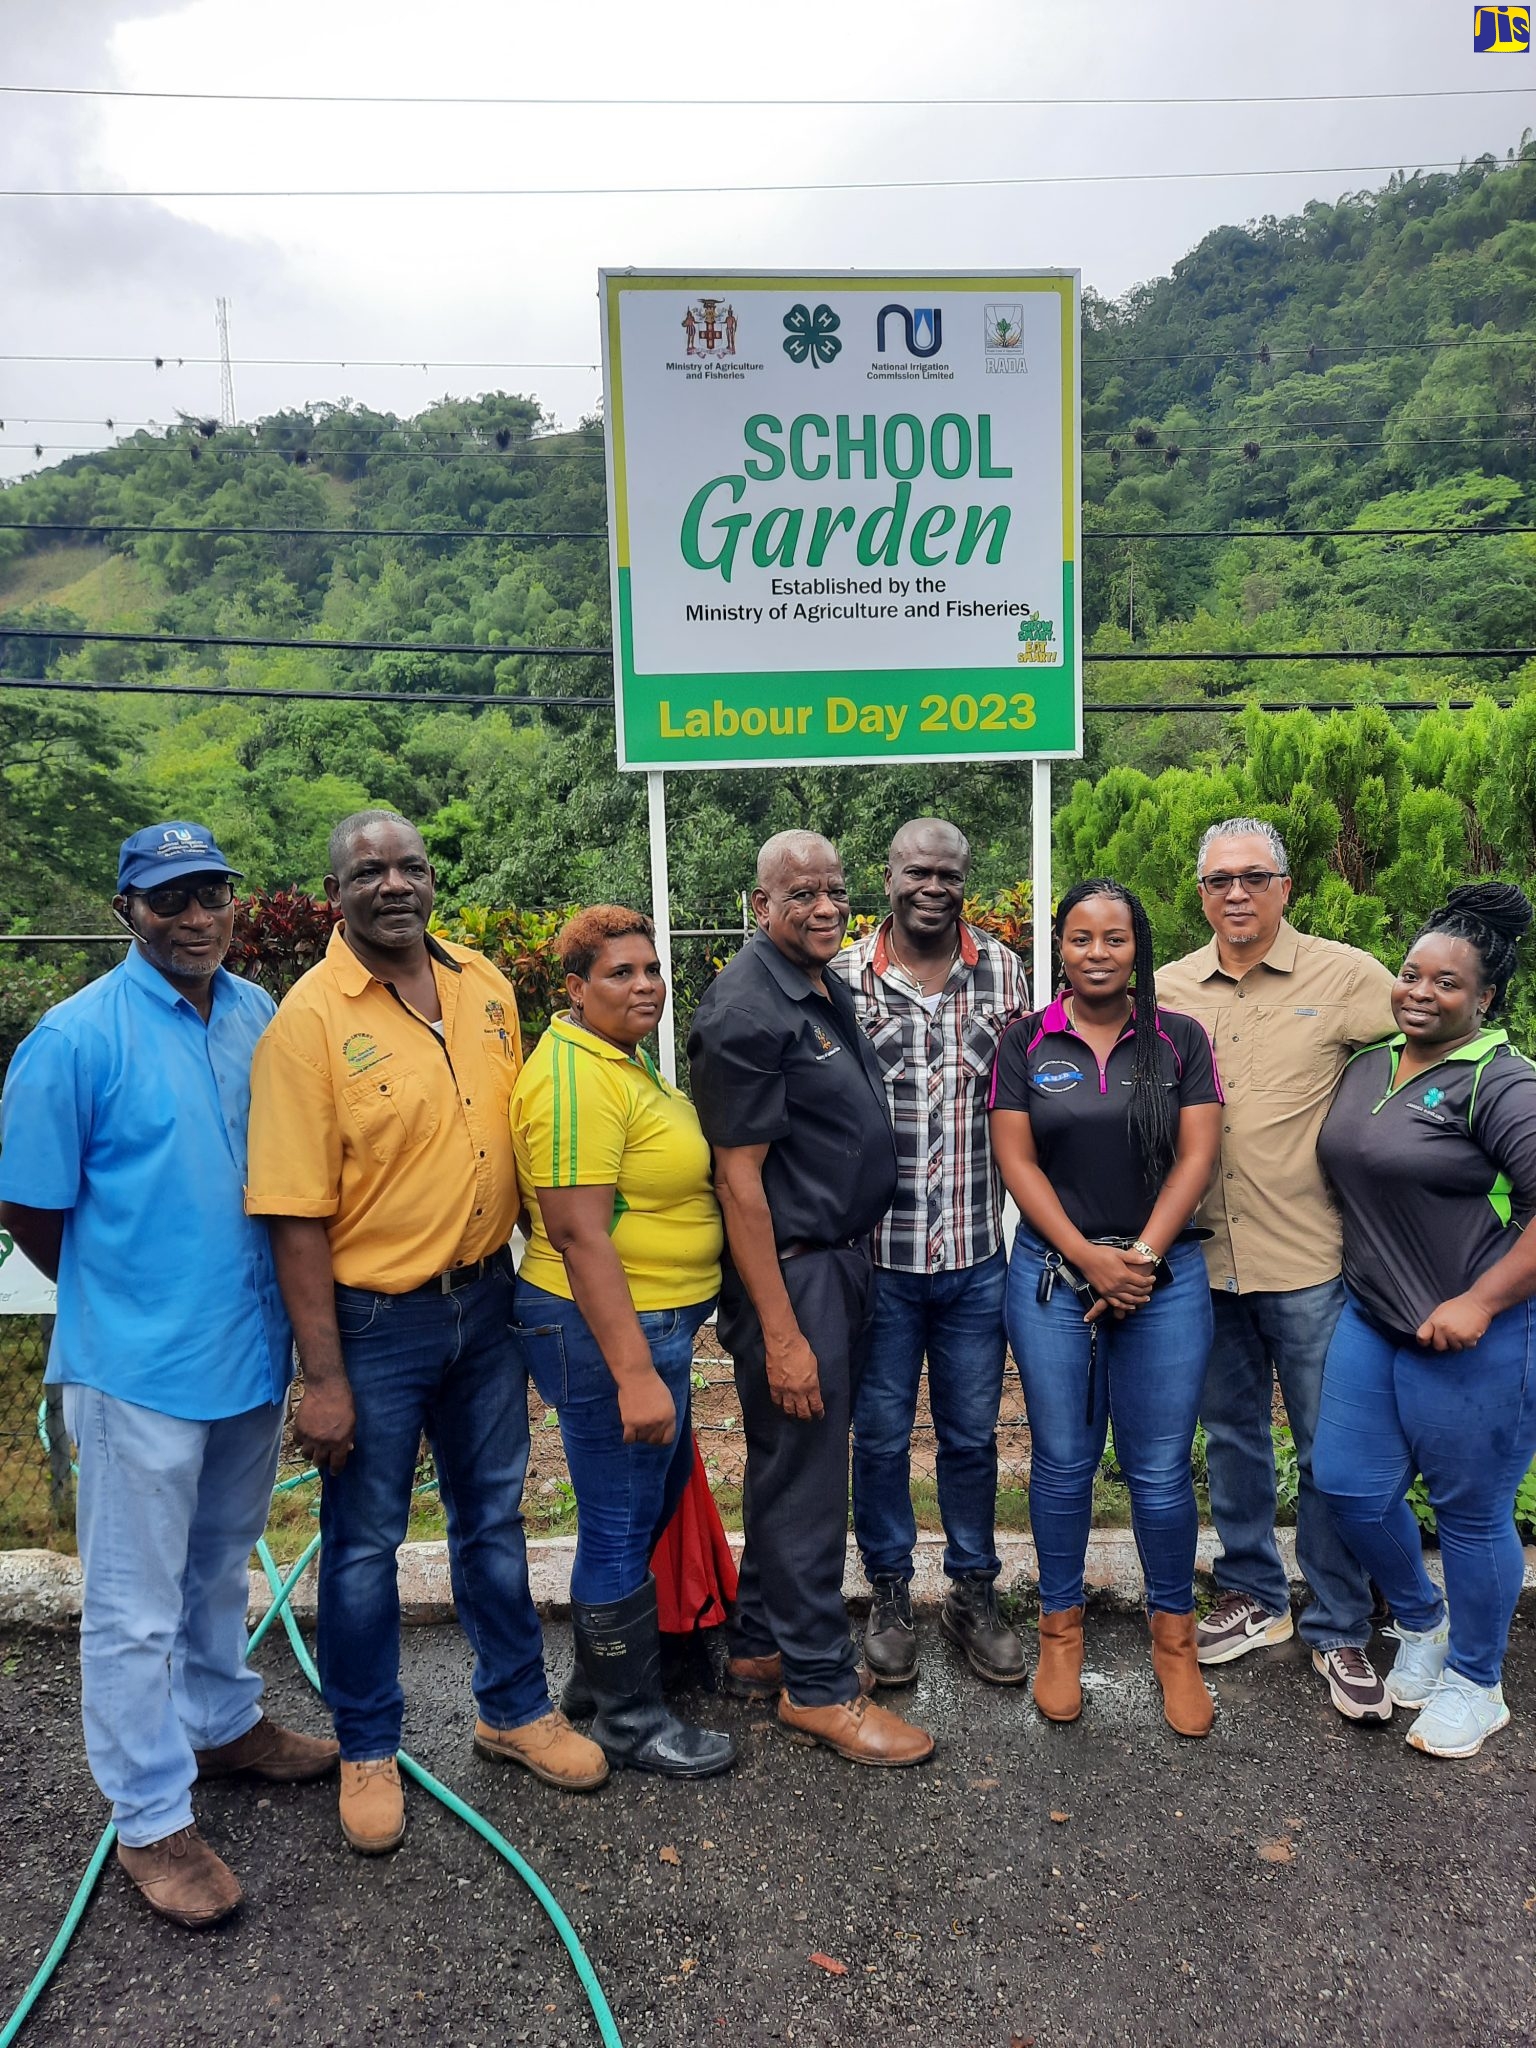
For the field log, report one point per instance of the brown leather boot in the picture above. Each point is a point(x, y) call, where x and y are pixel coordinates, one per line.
point(269, 1750)
point(859, 1730)
point(1187, 1707)
point(372, 1805)
point(1058, 1675)
point(550, 1748)
point(182, 1879)
point(762, 1678)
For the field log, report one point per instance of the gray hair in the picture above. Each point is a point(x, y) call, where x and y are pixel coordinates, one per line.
point(799, 847)
point(342, 835)
point(1244, 828)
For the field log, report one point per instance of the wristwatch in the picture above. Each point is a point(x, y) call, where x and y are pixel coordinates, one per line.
point(1139, 1244)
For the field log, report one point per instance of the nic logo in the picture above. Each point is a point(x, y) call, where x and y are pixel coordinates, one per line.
point(1501, 31)
point(922, 325)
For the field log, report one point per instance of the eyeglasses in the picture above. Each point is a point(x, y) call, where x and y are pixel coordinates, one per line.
point(173, 899)
point(1254, 882)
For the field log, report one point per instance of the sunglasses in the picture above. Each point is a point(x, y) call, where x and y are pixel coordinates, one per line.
point(1254, 880)
point(173, 899)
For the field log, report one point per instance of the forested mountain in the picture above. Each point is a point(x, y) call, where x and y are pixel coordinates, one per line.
point(1364, 365)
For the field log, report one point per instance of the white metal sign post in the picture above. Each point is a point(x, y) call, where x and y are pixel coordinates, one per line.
point(844, 523)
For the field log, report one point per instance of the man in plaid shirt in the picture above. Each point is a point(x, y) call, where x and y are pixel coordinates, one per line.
point(935, 996)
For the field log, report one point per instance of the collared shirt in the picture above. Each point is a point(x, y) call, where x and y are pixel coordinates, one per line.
point(363, 1116)
point(936, 1058)
point(1080, 1112)
point(585, 1114)
point(774, 1063)
point(1282, 1034)
point(128, 1112)
point(1434, 1179)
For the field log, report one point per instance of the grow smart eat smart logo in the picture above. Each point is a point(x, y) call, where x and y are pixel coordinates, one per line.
point(1501, 31)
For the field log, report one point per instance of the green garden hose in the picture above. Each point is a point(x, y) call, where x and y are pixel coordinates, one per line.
point(282, 1591)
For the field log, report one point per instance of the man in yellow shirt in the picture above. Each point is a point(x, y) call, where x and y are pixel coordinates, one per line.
point(380, 1152)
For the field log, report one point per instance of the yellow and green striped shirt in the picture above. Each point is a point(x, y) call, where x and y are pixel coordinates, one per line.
point(584, 1114)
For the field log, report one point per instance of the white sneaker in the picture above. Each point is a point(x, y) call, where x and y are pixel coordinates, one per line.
point(1419, 1662)
point(1459, 1717)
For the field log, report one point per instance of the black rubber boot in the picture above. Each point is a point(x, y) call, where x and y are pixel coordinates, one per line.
point(618, 1646)
point(576, 1701)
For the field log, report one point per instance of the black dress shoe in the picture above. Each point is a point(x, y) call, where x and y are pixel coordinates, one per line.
point(890, 1641)
point(969, 1617)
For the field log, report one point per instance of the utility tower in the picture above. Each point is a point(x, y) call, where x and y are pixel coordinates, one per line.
point(227, 414)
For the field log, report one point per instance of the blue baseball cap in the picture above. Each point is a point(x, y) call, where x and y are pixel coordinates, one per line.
point(164, 853)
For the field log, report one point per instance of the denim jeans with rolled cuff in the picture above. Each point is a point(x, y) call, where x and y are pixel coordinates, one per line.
point(625, 1493)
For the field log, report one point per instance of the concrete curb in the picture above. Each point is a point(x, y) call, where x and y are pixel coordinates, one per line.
point(40, 1589)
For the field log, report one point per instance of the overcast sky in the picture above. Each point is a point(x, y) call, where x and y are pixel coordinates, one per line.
point(503, 282)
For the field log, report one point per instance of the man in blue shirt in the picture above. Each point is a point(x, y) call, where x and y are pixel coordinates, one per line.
point(122, 1176)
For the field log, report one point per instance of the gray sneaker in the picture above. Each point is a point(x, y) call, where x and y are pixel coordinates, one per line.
point(890, 1640)
point(1353, 1684)
point(1236, 1625)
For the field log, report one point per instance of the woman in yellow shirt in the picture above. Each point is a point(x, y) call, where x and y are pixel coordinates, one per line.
point(622, 1267)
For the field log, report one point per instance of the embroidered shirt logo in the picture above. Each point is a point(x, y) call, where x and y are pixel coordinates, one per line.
point(1055, 1077)
point(362, 1051)
point(1432, 1097)
point(826, 1045)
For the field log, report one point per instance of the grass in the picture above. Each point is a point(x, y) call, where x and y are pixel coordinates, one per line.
point(101, 589)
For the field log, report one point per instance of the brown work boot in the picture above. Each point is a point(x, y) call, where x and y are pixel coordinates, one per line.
point(372, 1805)
point(269, 1750)
point(859, 1730)
point(549, 1747)
point(1187, 1706)
point(182, 1879)
point(762, 1678)
point(1059, 1674)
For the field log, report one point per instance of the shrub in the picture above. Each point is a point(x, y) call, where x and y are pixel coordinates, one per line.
point(29, 986)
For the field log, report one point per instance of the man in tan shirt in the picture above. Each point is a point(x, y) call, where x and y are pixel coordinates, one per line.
point(1285, 1011)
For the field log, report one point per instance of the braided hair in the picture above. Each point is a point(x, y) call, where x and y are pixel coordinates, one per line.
point(1154, 1120)
point(1492, 917)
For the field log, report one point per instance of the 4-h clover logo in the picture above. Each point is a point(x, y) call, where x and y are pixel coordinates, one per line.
point(7, 1245)
point(811, 335)
point(1433, 1097)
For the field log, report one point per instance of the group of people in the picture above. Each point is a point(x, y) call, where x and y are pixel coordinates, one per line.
point(1268, 1159)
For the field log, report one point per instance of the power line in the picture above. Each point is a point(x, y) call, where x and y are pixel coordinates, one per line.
point(161, 362)
point(480, 700)
point(1091, 535)
point(390, 99)
point(698, 191)
point(479, 649)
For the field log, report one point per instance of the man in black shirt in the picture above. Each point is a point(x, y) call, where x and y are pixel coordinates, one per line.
point(790, 1097)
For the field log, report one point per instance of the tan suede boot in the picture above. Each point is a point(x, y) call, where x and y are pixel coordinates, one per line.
point(1187, 1706)
point(1058, 1675)
point(549, 1747)
point(372, 1805)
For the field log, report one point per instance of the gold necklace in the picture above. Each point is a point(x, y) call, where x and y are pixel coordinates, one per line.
point(1070, 1007)
point(911, 973)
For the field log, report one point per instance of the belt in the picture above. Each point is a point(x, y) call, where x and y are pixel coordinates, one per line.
point(797, 1247)
point(466, 1276)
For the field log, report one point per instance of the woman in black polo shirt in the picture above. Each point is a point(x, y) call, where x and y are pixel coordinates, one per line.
point(1105, 1123)
point(1430, 1147)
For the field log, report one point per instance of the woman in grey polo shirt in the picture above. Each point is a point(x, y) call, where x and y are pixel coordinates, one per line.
point(1430, 1146)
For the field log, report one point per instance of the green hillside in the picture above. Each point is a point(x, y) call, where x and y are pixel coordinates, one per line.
point(1366, 364)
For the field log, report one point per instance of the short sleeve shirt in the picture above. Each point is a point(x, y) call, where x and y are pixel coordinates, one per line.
point(774, 1063)
point(584, 1114)
point(391, 1133)
point(1282, 1033)
point(1431, 1178)
point(1079, 1112)
point(126, 1111)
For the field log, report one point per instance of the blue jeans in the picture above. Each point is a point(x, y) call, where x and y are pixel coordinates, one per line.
point(1256, 1337)
point(168, 1514)
point(625, 1493)
point(444, 1364)
point(957, 1320)
point(1467, 1421)
point(1146, 1380)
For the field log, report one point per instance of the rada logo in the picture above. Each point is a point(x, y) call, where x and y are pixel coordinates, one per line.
point(922, 326)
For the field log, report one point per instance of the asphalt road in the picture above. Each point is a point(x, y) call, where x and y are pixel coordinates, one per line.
point(1290, 1880)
